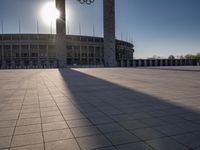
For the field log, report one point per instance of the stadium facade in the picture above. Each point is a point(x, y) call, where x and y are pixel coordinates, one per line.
point(40, 51)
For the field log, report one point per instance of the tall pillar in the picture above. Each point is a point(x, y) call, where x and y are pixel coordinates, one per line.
point(181, 62)
point(61, 34)
point(48, 64)
point(134, 63)
point(156, 62)
point(145, 62)
point(11, 57)
point(109, 33)
point(88, 63)
point(166, 62)
point(94, 58)
point(150, 63)
point(80, 58)
point(3, 58)
point(161, 62)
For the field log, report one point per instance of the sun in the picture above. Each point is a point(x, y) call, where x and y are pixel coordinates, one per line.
point(49, 13)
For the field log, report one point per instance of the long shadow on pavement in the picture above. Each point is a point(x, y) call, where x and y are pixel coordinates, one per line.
point(112, 117)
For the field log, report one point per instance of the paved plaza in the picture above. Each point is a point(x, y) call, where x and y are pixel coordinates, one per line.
point(100, 109)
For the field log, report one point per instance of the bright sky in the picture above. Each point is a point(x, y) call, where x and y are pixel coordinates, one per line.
point(157, 27)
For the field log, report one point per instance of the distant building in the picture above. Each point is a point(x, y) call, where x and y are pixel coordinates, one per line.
point(39, 51)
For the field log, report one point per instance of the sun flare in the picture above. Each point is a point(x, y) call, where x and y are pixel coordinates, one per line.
point(49, 13)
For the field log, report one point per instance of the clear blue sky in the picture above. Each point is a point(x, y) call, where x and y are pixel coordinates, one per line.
point(157, 27)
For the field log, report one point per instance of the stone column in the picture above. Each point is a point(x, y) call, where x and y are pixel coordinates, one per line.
point(156, 62)
point(128, 63)
point(12, 58)
point(139, 63)
point(48, 64)
point(122, 64)
point(166, 62)
point(150, 63)
point(145, 63)
point(3, 58)
point(94, 58)
point(176, 62)
point(109, 33)
point(171, 62)
point(134, 64)
point(80, 58)
point(161, 62)
point(181, 62)
point(20, 55)
point(38, 63)
point(61, 34)
point(88, 55)
point(29, 56)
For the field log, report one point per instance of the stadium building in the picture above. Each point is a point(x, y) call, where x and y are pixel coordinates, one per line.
point(39, 51)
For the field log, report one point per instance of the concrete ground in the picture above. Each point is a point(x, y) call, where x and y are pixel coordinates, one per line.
point(180, 68)
point(100, 109)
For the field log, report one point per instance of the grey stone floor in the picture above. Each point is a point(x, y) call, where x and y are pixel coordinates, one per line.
point(99, 109)
point(178, 68)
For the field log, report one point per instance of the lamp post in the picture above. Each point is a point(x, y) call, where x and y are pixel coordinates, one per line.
point(109, 32)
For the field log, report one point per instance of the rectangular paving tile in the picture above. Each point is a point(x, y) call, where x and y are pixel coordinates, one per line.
point(54, 126)
point(29, 115)
point(166, 144)
point(28, 121)
point(134, 146)
point(69, 144)
point(134, 124)
point(5, 142)
point(101, 120)
point(79, 123)
point(31, 110)
point(8, 117)
point(57, 135)
point(30, 147)
point(124, 137)
point(6, 131)
point(28, 129)
point(107, 148)
point(50, 113)
point(147, 133)
point(85, 131)
point(170, 130)
point(191, 140)
point(93, 142)
point(7, 124)
point(76, 116)
point(110, 127)
point(52, 119)
point(27, 139)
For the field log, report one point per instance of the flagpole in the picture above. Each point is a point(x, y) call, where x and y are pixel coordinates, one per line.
point(38, 42)
point(19, 26)
point(20, 47)
point(2, 27)
point(79, 28)
point(67, 26)
point(93, 30)
point(132, 39)
point(37, 27)
point(51, 28)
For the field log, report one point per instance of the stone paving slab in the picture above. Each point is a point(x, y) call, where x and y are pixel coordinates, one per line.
point(178, 68)
point(100, 109)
